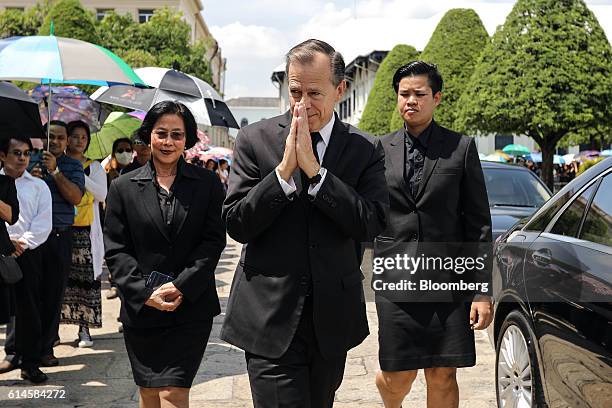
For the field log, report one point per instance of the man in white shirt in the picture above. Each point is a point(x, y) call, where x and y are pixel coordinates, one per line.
point(34, 225)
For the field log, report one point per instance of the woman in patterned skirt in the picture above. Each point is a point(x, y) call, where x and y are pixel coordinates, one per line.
point(82, 300)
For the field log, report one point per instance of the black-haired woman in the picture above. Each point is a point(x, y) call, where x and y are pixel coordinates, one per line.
point(163, 223)
point(82, 303)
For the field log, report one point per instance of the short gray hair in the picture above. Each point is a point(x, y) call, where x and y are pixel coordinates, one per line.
point(304, 53)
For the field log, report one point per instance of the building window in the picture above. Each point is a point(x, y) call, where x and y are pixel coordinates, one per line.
point(348, 105)
point(145, 15)
point(502, 141)
point(101, 13)
point(244, 122)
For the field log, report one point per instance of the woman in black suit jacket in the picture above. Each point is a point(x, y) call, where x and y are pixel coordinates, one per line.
point(9, 212)
point(165, 218)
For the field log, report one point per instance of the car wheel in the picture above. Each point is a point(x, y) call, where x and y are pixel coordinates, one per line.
point(516, 364)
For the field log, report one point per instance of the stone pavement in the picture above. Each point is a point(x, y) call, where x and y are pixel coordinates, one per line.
point(100, 376)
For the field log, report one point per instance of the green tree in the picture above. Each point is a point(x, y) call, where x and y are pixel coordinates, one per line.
point(118, 33)
point(382, 99)
point(70, 20)
point(455, 46)
point(16, 22)
point(546, 73)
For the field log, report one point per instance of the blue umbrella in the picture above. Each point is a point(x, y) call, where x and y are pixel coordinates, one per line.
point(607, 152)
point(536, 157)
point(51, 59)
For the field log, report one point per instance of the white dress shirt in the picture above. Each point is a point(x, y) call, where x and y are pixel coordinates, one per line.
point(289, 187)
point(35, 213)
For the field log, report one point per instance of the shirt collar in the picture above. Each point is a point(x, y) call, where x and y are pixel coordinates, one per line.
point(25, 175)
point(423, 138)
point(326, 130)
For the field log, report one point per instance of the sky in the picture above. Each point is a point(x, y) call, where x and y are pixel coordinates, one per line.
point(254, 35)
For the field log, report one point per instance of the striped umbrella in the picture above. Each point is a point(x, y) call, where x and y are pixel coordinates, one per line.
point(58, 60)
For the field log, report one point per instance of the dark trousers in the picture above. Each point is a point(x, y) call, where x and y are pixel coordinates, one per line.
point(300, 378)
point(56, 259)
point(23, 337)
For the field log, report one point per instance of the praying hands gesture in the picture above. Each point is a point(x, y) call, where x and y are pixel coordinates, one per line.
point(298, 147)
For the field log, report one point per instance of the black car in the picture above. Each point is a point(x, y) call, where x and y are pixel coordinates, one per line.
point(514, 192)
point(552, 279)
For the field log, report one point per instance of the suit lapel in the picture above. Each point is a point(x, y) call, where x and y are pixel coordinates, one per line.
point(397, 161)
point(149, 199)
point(337, 142)
point(431, 158)
point(183, 195)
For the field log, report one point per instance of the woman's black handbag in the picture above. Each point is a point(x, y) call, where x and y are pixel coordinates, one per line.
point(10, 272)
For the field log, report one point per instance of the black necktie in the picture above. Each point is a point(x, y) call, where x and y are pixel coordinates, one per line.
point(316, 138)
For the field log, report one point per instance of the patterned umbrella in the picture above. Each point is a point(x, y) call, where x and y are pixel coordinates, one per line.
point(69, 103)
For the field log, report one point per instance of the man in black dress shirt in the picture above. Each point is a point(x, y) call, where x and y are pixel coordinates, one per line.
point(438, 201)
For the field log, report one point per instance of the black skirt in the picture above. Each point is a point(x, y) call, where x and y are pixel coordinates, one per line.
point(166, 356)
point(424, 335)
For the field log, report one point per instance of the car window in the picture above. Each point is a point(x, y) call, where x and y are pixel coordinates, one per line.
point(541, 220)
point(569, 222)
point(510, 187)
point(598, 223)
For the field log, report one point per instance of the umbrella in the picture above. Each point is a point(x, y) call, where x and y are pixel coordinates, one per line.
point(516, 150)
point(220, 152)
point(19, 112)
point(606, 153)
point(536, 157)
point(117, 125)
point(51, 59)
point(495, 158)
point(569, 157)
point(69, 103)
point(204, 102)
point(502, 154)
point(587, 155)
point(482, 156)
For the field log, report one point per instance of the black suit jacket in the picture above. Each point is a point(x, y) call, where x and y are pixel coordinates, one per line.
point(288, 243)
point(451, 206)
point(136, 243)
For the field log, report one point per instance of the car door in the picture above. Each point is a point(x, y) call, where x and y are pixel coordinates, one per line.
point(568, 283)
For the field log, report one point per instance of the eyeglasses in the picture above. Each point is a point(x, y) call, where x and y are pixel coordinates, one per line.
point(175, 135)
point(19, 153)
point(121, 150)
point(138, 143)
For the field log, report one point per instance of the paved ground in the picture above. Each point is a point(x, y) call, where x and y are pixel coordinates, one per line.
point(100, 376)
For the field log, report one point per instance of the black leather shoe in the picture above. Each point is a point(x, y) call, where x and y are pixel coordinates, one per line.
point(6, 366)
point(49, 361)
point(34, 375)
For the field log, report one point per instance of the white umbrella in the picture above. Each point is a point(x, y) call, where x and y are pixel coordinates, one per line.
point(202, 99)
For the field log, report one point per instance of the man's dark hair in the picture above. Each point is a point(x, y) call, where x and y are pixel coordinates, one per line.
point(173, 108)
point(56, 123)
point(415, 68)
point(120, 140)
point(76, 124)
point(304, 53)
point(8, 134)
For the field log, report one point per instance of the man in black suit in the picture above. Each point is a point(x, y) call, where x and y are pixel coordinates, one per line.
point(304, 191)
point(439, 203)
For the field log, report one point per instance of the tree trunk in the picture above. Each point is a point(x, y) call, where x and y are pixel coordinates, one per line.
point(548, 152)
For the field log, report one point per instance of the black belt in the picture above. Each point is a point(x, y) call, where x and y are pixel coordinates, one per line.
point(58, 230)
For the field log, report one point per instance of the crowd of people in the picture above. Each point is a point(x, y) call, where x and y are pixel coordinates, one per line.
point(53, 202)
point(562, 173)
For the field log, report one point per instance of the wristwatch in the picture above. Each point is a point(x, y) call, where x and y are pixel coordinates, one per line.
point(56, 171)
